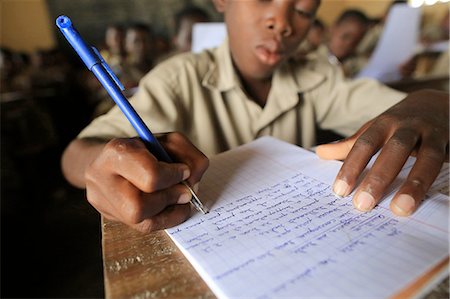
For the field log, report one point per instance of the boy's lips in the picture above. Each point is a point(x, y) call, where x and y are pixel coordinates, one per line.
point(270, 53)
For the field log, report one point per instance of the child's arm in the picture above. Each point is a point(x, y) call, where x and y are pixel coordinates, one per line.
point(418, 125)
point(126, 183)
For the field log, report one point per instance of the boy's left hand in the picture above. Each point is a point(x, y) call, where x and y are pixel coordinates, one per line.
point(419, 126)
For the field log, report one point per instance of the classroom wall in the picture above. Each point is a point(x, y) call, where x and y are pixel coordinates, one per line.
point(331, 9)
point(25, 25)
point(91, 17)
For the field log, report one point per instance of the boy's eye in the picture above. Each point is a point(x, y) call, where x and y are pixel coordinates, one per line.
point(304, 14)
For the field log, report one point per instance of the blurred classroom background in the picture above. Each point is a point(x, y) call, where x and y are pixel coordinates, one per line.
point(50, 235)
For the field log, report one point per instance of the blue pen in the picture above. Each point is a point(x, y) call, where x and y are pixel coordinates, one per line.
point(96, 64)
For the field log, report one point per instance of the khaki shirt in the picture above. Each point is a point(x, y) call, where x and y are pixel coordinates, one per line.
point(201, 96)
point(351, 66)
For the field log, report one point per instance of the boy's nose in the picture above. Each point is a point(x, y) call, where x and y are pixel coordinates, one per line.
point(279, 23)
point(283, 29)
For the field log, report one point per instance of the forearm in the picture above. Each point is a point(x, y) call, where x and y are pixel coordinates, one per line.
point(77, 156)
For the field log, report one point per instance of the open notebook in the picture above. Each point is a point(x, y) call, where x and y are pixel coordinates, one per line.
point(276, 230)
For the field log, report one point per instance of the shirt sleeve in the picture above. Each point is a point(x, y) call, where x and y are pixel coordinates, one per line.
point(344, 105)
point(156, 101)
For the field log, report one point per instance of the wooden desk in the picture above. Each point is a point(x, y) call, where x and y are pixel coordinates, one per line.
point(140, 265)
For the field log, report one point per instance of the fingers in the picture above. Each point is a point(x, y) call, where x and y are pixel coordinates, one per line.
point(362, 151)
point(127, 183)
point(182, 150)
point(339, 150)
point(424, 172)
point(134, 206)
point(137, 165)
point(385, 169)
point(169, 217)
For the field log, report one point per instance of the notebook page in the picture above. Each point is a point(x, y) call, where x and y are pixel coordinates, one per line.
point(275, 230)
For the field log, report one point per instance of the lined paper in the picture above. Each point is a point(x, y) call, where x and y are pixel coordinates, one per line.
point(276, 230)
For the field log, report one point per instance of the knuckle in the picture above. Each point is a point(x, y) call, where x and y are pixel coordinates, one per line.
point(403, 140)
point(122, 146)
point(146, 226)
point(377, 180)
point(177, 136)
point(203, 163)
point(133, 211)
point(364, 142)
point(151, 178)
point(91, 197)
point(434, 154)
point(417, 183)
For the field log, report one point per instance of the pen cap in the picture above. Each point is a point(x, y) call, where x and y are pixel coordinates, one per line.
point(73, 37)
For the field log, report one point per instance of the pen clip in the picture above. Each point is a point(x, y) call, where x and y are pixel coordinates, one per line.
point(108, 69)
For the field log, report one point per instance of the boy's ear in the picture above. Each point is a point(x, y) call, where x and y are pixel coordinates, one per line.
point(220, 5)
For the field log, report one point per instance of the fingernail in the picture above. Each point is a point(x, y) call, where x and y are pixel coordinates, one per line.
point(186, 173)
point(184, 198)
point(364, 201)
point(340, 188)
point(405, 204)
point(195, 188)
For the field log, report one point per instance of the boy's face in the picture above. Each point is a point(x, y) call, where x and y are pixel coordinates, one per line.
point(315, 36)
point(137, 43)
point(263, 34)
point(183, 38)
point(114, 38)
point(345, 37)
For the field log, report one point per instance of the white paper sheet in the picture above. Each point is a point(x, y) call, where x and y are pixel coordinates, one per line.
point(207, 35)
point(275, 230)
point(397, 44)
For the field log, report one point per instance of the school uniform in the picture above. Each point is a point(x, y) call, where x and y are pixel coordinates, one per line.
point(201, 96)
point(351, 66)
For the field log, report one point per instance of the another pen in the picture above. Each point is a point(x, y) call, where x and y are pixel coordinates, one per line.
point(96, 64)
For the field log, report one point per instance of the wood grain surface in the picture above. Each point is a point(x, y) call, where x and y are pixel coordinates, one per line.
point(138, 265)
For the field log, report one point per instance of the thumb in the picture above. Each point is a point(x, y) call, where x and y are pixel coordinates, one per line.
point(340, 149)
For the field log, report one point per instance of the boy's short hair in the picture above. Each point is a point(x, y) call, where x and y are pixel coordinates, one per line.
point(116, 26)
point(140, 27)
point(189, 11)
point(353, 15)
point(318, 24)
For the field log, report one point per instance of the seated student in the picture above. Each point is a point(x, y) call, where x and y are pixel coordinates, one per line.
point(138, 60)
point(114, 51)
point(370, 40)
point(247, 88)
point(345, 35)
point(139, 54)
point(184, 21)
point(316, 36)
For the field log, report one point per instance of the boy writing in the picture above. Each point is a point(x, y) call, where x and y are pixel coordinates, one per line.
point(248, 88)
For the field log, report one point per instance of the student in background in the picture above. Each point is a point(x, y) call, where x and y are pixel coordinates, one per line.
point(114, 51)
point(316, 36)
point(247, 88)
point(184, 21)
point(370, 40)
point(140, 54)
point(345, 35)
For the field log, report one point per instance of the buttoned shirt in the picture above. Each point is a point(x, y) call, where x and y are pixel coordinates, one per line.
point(202, 96)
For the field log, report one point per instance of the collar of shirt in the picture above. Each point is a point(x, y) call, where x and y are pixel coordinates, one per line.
point(222, 75)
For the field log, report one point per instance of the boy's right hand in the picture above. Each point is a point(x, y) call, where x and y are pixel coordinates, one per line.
point(128, 184)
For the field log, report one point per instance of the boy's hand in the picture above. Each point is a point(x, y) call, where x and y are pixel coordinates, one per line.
point(128, 184)
point(418, 125)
